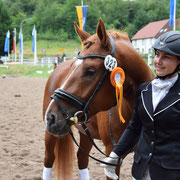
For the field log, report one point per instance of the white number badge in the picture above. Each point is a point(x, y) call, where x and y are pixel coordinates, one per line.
point(110, 62)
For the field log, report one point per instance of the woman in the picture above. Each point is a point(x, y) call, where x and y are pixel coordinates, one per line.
point(155, 125)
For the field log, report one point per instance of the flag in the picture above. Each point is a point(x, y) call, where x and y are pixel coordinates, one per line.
point(34, 34)
point(34, 39)
point(82, 16)
point(6, 46)
point(84, 9)
point(14, 41)
point(172, 11)
point(20, 41)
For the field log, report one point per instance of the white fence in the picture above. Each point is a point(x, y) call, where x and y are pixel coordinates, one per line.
point(48, 61)
point(5, 59)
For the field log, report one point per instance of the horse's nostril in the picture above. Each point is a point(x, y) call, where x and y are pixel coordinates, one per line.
point(51, 120)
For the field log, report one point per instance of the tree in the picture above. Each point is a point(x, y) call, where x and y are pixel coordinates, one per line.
point(5, 25)
point(54, 18)
point(147, 12)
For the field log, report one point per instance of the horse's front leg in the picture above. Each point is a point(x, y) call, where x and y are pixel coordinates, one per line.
point(83, 159)
point(50, 142)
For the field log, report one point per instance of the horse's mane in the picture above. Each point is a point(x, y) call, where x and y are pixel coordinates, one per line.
point(118, 35)
point(123, 39)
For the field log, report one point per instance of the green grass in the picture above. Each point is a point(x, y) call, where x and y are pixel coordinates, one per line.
point(52, 48)
point(25, 70)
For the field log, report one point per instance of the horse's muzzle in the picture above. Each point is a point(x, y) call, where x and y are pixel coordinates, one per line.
point(55, 126)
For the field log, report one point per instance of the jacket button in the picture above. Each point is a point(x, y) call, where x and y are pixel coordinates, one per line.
point(152, 143)
point(150, 154)
point(152, 131)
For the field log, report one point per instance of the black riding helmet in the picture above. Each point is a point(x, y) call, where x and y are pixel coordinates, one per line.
point(169, 42)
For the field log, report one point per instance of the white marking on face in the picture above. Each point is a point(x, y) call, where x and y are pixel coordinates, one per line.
point(46, 113)
point(77, 64)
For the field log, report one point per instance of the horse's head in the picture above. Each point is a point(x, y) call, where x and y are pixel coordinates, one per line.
point(86, 89)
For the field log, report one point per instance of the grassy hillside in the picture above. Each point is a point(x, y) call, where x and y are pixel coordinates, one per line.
point(52, 48)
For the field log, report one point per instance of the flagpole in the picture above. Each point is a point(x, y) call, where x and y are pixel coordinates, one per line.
point(35, 52)
point(14, 39)
point(22, 37)
point(22, 58)
point(174, 24)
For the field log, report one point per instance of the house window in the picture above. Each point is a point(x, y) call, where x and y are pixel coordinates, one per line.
point(135, 42)
point(150, 41)
point(161, 30)
point(142, 41)
point(142, 50)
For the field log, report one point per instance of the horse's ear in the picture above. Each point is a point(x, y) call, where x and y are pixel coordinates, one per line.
point(101, 32)
point(82, 34)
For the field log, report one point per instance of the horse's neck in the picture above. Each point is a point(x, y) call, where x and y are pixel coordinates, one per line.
point(133, 64)
point(136, 71)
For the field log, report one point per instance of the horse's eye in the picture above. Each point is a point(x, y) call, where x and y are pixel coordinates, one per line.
point(90, 72)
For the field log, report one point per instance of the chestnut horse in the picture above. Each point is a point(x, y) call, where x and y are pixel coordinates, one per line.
point(98, 127)
point(83, 89)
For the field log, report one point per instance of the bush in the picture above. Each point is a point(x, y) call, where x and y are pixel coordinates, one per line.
point(49, 35)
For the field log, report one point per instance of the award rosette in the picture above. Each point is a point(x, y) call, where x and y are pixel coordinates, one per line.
point(117, 79)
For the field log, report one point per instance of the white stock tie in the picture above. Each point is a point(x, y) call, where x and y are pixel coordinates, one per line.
point(160, 88)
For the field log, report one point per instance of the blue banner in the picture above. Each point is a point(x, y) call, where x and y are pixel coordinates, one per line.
point(82, 16)
point(34, 38)
point(20, 41)
point(84, 10)
point(172, 11)
point(6, 45)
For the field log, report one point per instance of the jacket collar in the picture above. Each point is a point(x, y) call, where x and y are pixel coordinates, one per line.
point(171, 98)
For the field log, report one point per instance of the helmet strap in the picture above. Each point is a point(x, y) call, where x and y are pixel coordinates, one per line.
point(169, 75)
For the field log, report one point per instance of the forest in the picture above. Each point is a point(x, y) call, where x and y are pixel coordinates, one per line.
point(54, 18)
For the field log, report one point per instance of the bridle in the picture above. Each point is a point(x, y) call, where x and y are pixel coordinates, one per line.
point(84, 106)
point(74, 100)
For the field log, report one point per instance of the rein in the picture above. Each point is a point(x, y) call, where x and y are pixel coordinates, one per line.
point(91, 140)
point(110, 131)
point(103, 162)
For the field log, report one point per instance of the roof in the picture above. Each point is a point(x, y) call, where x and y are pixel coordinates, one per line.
point(154, 29)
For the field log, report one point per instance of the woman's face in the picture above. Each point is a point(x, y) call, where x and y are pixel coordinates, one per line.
point(165, 63)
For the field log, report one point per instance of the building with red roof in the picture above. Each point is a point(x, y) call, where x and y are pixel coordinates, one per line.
point(145, 37)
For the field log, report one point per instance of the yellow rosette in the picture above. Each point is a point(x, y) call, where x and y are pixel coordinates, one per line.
point(117, 79)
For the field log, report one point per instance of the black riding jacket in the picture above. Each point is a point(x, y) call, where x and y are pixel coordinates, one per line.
point(155, 134)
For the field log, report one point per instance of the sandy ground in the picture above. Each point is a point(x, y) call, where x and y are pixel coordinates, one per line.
point(22, 133)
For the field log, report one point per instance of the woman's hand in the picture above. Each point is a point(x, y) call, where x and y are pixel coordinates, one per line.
point(110, 170)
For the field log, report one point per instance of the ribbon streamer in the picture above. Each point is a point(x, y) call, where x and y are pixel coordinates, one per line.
point(117, 79)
